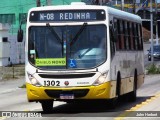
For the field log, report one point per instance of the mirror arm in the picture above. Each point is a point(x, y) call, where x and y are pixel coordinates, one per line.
point(20, 26)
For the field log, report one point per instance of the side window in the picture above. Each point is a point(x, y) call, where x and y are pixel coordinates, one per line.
point(124, 35)
point(129, 35)
point(133, 31)
point(135, 36)
point(118, 43)
point(141, 39)
point(112, 45)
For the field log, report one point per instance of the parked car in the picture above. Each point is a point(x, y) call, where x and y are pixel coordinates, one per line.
point(156, 52)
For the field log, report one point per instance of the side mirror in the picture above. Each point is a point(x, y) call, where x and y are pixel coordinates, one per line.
point(20, 35)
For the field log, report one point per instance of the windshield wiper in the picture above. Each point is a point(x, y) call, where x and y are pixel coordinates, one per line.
point(78, 33)
point(54, 32)
point(84, 53)
point(57, 36)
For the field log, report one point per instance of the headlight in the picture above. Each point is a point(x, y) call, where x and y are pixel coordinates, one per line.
point(101, 79)
point(33, 80)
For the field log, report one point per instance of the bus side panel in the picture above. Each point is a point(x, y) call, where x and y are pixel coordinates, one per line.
point(125, 62)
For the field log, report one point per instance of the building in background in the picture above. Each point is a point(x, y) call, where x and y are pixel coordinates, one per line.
point(132, 6)
point(139, 7)
point(12, 14)
point(15, 11)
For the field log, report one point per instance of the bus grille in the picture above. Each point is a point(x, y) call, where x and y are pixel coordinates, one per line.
point(67, 75)
point(77, 93)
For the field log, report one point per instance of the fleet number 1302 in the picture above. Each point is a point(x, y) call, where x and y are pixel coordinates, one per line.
point(51, 83)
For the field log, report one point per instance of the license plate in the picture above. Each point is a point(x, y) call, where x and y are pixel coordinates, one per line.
point(66, 96)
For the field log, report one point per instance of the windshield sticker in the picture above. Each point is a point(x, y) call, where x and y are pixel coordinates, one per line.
point(51, 62)
point(32, 51)
point(72, 63)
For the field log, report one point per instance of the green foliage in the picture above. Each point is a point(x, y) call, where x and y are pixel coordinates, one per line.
point(153, 69)
point(23, 86)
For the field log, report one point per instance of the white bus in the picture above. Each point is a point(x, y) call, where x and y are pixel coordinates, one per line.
point(82, 52)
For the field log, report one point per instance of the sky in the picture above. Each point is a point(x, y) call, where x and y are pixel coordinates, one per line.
point(158, 1)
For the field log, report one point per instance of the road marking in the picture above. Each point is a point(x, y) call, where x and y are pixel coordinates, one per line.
point(56, 103)
point(3, 118)
point(144, 103)
point(9, 90)
point(127, 112)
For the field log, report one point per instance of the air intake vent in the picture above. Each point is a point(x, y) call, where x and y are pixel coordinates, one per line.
point(67, 75)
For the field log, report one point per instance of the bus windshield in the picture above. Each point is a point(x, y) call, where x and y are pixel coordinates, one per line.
point(67, 47)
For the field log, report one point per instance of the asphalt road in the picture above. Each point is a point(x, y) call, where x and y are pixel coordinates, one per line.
point(14, 99)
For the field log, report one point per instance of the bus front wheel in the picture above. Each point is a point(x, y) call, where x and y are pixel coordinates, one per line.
point(47, 106)
point(132, 96)
point(114, 101)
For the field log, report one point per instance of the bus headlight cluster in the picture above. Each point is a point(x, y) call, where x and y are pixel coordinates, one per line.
point(101, 79)
point(33, 80)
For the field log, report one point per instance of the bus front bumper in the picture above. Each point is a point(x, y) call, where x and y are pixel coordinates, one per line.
point(35, 93)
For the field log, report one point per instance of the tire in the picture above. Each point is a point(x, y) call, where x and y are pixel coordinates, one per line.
point(132, 96)
point(114, 102)
point(47, 106)
point(118, 86)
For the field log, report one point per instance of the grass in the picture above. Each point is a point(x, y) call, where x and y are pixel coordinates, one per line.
point(8, 76)
point(153, 69)
point(23, 86)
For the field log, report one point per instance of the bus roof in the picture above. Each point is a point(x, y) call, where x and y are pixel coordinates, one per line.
point(124, 15)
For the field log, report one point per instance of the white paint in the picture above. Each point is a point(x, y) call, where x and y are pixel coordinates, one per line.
point(4, 46)
point(11, 49)
point(78, 3)
point(17, 54)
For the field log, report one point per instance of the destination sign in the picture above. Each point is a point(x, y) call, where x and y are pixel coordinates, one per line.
point(68, 15)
